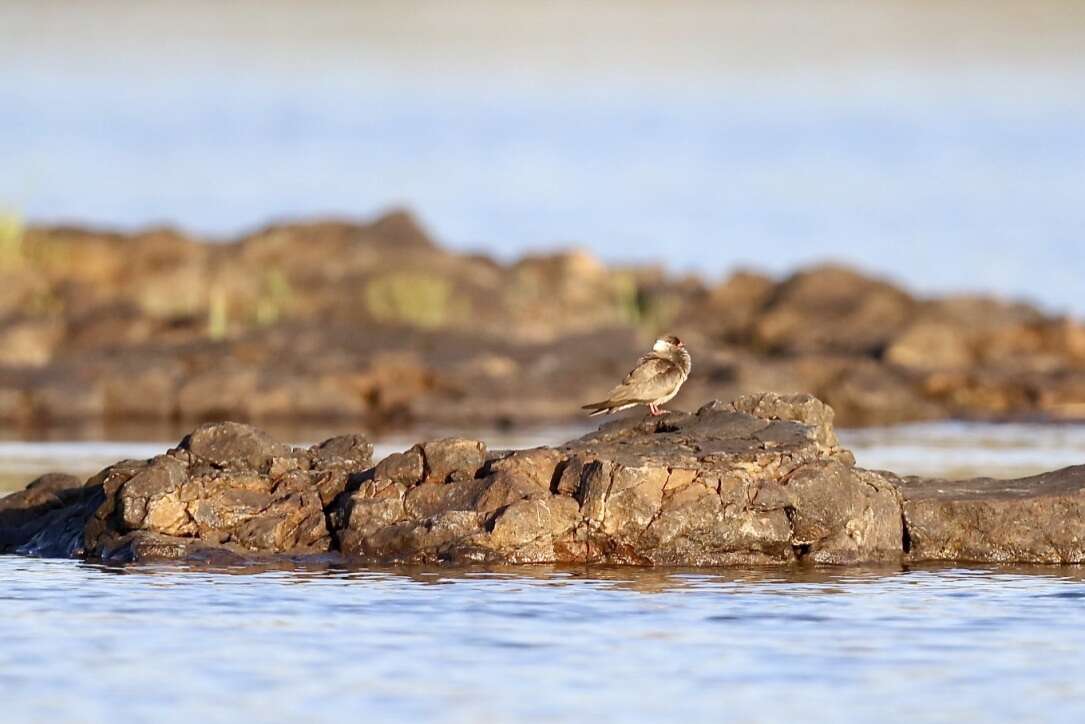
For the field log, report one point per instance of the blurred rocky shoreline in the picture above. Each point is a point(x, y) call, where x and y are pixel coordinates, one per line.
point(377, 324)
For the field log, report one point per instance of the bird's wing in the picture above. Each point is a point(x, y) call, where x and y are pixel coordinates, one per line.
point(652, 378)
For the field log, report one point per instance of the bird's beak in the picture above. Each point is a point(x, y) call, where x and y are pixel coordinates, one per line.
point(681, 345)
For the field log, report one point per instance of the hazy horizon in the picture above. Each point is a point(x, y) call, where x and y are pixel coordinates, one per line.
point(939, 145)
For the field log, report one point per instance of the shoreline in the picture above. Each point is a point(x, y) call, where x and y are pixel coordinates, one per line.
point(375, 325)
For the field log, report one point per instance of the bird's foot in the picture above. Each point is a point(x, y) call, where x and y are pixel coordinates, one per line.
point(655, 411)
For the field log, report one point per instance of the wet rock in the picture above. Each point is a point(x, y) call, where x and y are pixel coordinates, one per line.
point(25, 513)
point(1039, 519)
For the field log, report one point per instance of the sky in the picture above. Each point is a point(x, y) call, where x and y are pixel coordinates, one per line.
point(939, 144)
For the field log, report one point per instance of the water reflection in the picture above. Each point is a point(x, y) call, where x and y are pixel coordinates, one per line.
point(792, 579)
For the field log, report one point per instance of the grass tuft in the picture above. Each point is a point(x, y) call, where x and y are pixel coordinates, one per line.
point(11, 240)
point(417, 298)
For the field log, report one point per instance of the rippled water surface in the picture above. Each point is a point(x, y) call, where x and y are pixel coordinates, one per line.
point(86, 643)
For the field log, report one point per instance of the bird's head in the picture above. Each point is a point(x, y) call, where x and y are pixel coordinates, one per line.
point(667, 343)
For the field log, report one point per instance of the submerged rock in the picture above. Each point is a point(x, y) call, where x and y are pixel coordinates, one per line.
point(761, 480)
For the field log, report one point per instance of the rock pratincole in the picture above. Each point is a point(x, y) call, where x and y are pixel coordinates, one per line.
point(654, 381)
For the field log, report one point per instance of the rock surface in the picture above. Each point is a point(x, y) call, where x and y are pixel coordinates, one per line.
point(1040, 519)
point(761, 480)
point(375, 322)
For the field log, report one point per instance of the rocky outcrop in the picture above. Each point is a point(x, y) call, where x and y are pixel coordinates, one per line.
point(375, 322)
point(226, 490)
point(43, 509)
point(1040, 519)
point(761, 480)
point(758, 481)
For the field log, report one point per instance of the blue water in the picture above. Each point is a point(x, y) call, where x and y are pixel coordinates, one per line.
point(84, 643)
point(930, 144)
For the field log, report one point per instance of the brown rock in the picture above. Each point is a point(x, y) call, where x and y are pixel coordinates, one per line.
point(931, 345)
point(242, 508)
point(65, 398)
point(24, 513)
point(1040, 519)
point(406, 468)
point(222, 391)
point(806, 409)
point(353, 451)
point(504, 488)
point(731, 309)
point(30, 342)
point(429, 499)
point(452, 459)
point(842, 515)
point(832, 309)
point(530, 529)
point(535, 467)
point(761, 480)
point(375, 323)
point(233, 445)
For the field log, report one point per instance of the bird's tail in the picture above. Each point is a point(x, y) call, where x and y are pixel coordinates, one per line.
point(597, 408)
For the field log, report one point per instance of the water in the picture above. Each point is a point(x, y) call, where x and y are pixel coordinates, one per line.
point(86, 643)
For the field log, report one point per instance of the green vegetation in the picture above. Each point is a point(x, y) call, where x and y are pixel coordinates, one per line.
point(276, 296)
point(218, 314)
point(11, 240)
point(627, 297)
point(647, 310)
point(411, 297)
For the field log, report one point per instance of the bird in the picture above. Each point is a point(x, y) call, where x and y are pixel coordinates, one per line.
point(654, 381)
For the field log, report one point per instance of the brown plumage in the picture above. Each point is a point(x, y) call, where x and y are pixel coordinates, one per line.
point(654, 381)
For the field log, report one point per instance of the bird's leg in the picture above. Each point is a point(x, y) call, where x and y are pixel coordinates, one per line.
point(656, 412)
